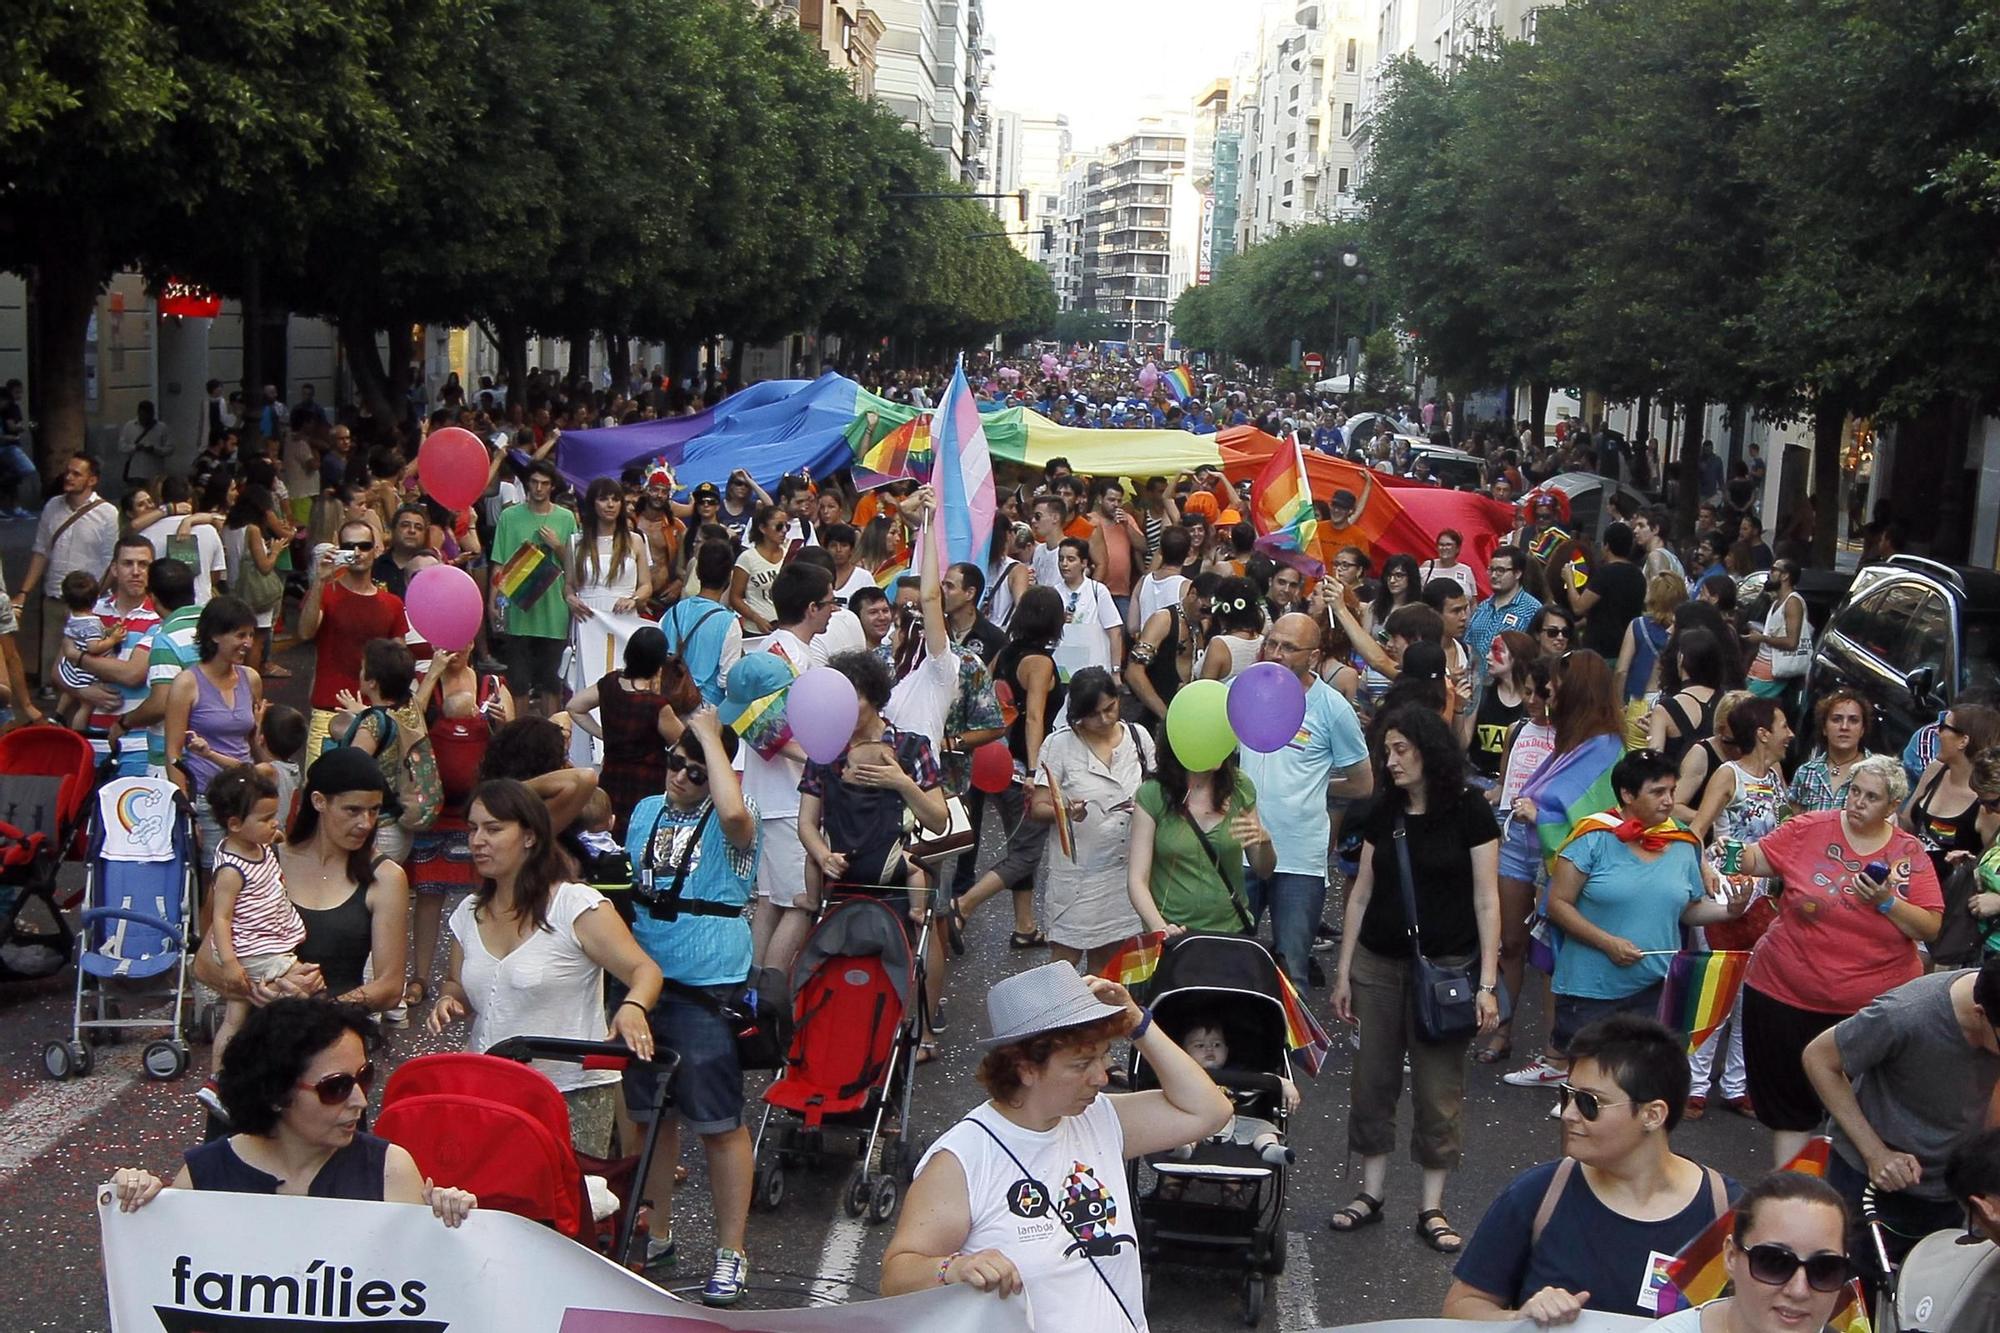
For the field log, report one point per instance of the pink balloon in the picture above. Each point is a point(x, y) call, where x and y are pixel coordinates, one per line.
point(444, 606)
point(1048, 363)
point(821, 709)
point(1149, 375)
point(452, 465)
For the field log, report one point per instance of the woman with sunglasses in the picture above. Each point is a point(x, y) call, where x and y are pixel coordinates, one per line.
point(1553, 630)
point(757, 569)
point(699, 839)
point(529, 950)
point(1583, 1232)
point(1945, 811)
point(1786, 1258)
point(296, 1087)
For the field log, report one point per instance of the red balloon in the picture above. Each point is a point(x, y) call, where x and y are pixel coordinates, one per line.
point(452, 465)
point(992, 767)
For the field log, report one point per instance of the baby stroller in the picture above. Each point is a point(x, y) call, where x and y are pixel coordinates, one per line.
point(493, 1125)
point(139, 902)
point(856, 997)
point(46, 774)
point(1221, 1204)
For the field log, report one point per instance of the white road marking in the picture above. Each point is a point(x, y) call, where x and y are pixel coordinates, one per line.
point(1298, 1298)
point(49, 1114)
point(840, 1257)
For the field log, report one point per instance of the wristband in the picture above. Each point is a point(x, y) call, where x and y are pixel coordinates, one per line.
point(636, 1005)
point(945, 1267)
point(1886, 905)
point(1145, 1023)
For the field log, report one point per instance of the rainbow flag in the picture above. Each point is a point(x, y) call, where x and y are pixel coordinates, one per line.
point(1571, 787)
point(963, 474)
point(1281, 508)
point(1696, 1275)
point(1302, 1031)
point(1137, 959)
point(528, 573)
point(1701, 989)
point(1180, 383)
point(903, 452)
point(764, 725)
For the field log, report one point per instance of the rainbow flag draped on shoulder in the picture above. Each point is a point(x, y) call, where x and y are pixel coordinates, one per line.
point(1282, 511)
point(1571, 787)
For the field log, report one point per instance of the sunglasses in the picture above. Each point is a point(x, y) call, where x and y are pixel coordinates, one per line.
point(1954, 730)
point(696, 773)
point(1555, 631)
point(335, 1089)
point(1588, 1104)
point(1773, 1265)
point(357, 546)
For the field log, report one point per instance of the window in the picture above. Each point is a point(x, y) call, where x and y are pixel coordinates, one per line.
point(1347, 118)
point(1342, 188)
point(1879, 625)
point(1353, 53)
point(1292, 140)
point(1929, 640)
point(1288, 188)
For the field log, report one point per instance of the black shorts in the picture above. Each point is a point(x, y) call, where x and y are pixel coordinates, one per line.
point(533, 664)
point(1775, 1036)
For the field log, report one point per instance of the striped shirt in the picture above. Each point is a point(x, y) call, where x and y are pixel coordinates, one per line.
point(264, 920)
point(173, 652)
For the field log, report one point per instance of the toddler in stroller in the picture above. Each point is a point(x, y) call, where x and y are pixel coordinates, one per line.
point(1208, 1042)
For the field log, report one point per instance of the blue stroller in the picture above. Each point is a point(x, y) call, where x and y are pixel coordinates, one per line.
point(137, 912)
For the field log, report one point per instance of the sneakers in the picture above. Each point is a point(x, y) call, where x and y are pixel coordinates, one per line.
point(1536, 1073)
point(399, 1017)
point(210, 1097)
point(659, 1251)
point(726, 1280)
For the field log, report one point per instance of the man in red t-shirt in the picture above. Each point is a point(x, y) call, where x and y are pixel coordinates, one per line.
point(343, 610)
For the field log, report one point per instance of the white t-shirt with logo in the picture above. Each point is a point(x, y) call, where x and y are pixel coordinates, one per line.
point(1070, 1208)
point(210, 558)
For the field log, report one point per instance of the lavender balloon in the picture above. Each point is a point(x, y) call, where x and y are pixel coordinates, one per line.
point(821, 709)
point(1266, 706)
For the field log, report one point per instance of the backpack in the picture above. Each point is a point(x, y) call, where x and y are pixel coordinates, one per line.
point(678, 686)
point(409, 770)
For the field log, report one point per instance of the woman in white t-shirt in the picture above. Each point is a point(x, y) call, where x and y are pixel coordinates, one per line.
point(529, 950)
point(1093, 631)
point(757, 569)
point(1448, 566)
point(1028, 1192)
point(1786, 1258)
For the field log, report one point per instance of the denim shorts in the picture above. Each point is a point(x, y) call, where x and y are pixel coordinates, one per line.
point(1576, 1012)
point(708, 1087)
point(1520, 851)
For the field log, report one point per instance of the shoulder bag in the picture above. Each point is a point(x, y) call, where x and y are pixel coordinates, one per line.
point(1445, 999)
point(1791, 663)
point(1215, 860)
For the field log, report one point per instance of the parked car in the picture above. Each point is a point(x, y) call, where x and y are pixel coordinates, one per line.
point(1586, 492)
point(1910, 636)
point(1454, 469)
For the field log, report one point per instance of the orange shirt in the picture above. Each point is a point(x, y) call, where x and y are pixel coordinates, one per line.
point(1078, 527)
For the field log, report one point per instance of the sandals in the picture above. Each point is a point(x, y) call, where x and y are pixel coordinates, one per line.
point(1435, 1230)
point(927, 1052)
point(1497, 1053)
point(1366, 1216)
point(1033, 939)
point(272, 671)
point(954, 927)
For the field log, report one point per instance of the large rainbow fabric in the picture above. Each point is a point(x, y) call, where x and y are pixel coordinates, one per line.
point(1303, 1032)
point(1282, 511)
point(1180, 383)
point(1697, 1274)
point(1700, 990)
point(903, 452)
point(1572, 786)
point(962, 472)
point(528, 573)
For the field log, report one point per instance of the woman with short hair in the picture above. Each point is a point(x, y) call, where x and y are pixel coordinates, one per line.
point(1046, 1131)
point(529, 950)
point(1840, 725)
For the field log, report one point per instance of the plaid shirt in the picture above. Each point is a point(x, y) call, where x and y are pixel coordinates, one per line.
point(1813, 789)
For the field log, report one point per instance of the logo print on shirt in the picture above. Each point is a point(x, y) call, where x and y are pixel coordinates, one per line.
point(1090, 1213)
point(1026, 1199)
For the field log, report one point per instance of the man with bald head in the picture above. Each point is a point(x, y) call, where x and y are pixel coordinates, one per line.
point(1327, 759)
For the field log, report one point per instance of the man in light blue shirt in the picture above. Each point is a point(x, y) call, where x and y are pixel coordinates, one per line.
point(705, 633)
point(1326, 757)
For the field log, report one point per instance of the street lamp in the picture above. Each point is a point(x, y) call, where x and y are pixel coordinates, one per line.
point(1350, 260)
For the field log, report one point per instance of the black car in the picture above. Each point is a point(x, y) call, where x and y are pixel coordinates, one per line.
point(1910, 636)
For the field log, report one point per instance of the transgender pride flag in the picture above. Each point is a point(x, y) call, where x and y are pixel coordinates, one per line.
point(962, 472)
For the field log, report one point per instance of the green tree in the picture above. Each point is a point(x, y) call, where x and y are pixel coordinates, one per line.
point(1086, 325)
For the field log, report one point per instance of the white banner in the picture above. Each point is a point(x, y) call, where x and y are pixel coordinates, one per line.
point(195, 1262)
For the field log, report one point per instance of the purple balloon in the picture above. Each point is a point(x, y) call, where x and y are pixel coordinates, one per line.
point(821, 708)
point(1266, 706)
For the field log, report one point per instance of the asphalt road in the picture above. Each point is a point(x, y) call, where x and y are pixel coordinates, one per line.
point(59, 1140)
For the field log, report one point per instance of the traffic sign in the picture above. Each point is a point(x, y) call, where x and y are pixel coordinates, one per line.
point(1315, 362)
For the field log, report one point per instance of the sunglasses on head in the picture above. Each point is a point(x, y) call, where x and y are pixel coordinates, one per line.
point(1773, 1265)
point(696, 773)
point(1588, 1104)
point(335, 1089)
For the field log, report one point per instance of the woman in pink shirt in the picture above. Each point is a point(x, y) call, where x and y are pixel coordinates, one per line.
point(1843, 936)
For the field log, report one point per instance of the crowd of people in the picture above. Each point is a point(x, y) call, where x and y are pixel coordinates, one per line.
point(429, 836)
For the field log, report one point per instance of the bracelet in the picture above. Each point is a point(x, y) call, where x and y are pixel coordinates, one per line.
point(1887, 905)
point(1145, 1023)
point(636, 1005)
point(945, 1267)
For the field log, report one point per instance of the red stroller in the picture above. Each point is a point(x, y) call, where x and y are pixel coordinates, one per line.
point(492, 1125)
point(46, 776)
point(856, 997)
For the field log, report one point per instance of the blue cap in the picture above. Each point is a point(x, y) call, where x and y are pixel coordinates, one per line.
point(754, 676)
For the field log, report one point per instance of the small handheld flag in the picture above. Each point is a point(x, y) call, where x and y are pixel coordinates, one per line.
point(1303, 1032)
point(1137, 959)
point(1701, 990)
point(530, 572)
point(1282, 510)
point(1179, 382)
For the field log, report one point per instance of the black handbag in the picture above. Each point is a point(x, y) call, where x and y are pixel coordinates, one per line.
point(758, 1012)
point(1446, 999)
point(1961, 939)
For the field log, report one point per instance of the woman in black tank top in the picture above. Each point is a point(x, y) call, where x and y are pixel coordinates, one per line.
point(1944, 808)
point(1693, 669)
point(355, 904)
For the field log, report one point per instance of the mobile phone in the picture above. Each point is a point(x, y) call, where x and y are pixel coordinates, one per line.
point(1877, 871)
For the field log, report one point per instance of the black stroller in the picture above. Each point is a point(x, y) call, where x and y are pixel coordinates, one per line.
point(1220, 1204)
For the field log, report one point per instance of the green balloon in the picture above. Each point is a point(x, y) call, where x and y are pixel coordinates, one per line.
point(1198, 726)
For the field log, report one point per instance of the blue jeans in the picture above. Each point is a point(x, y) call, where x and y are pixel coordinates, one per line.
point(1295, 902)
